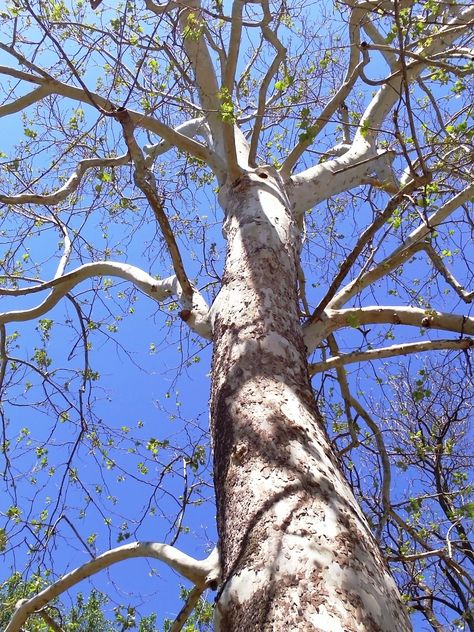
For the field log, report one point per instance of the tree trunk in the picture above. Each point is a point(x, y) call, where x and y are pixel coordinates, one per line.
point(297, 553)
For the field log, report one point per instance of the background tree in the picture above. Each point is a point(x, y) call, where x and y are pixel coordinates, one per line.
point(89, 614)
point(332, 145)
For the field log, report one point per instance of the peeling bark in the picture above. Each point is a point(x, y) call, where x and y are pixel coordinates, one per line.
point(296, 551)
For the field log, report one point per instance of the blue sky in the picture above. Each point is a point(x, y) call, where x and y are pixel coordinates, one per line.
point(154, 377)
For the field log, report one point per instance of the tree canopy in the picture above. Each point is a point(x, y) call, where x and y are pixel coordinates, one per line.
point(123, 127)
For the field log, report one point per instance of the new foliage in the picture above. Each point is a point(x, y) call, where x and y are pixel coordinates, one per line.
point(288, 187)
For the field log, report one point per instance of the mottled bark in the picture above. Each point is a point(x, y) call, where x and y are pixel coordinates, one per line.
point(297, 553)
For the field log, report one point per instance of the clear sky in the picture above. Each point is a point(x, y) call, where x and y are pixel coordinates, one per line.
point(143, 443)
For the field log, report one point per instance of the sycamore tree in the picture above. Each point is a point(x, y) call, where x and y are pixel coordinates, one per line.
point(290, 185)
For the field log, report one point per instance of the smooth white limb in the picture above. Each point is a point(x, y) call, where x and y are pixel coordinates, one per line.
point(389, 352)
point(54, 86)
point(70, 186)
point(334, 319)
point(190, 129)
point(228, 79)
point(197, 51)
point(201, 572)
point(411, 244)
point(374, 115)
point(159, 290)
point(319, 183)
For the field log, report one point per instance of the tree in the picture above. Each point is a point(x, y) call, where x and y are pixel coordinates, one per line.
point(335, 144)
point(86, 615)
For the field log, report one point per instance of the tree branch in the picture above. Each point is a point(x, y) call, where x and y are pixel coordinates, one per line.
point(50, 622)
point(363, 240)
point(448, 276)
point(186, 610)
point(345, 392)
point(403, 349)
point(204, 74)
point(404, 251)
point(374, 115)
point(318, 183)
point(182, 142)
point(352, 73)
point(382, 452)
point(159, 290)
point(70, 185)
point(333, 319)
point(272, 38)
point(398, 315)
point(190, 129)
point(201, 572)
point(25, 101)
point(228, 87)
point(145, 181)
point(462, 575)
point(159, 9)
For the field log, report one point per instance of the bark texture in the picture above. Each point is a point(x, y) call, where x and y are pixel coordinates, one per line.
point(297, 553)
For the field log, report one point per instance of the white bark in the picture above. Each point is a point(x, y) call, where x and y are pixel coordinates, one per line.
point(53, 86)
point(296, 551)
point(334, 319)
point(318, 183)
point(70, 186)
point(360, 161)
point(159, 290)
point(200, 572)
point(392, 351)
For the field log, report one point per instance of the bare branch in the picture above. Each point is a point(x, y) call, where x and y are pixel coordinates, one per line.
point(387, 96)
point(191, 129)
point(50, 622)
point(353, 70)
point(428, 61)
point(378, 39)
point(401, 315)
point(145, 181)
point(462, 575)
point(69, 186)
point(333, 319)
point(392, 351)
point(186, 610)
point(3, 364)
point(159, 9)
point(448, 276)
point(404, 251)
point(382, 450)
point(159, 290)
point(363, 240)
point(416, 556)
point(308, 190)
point(201, 572)
point(272, 38)
point(345, 392)
point(23, 102)
point(182, 142)
point(228, 87)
